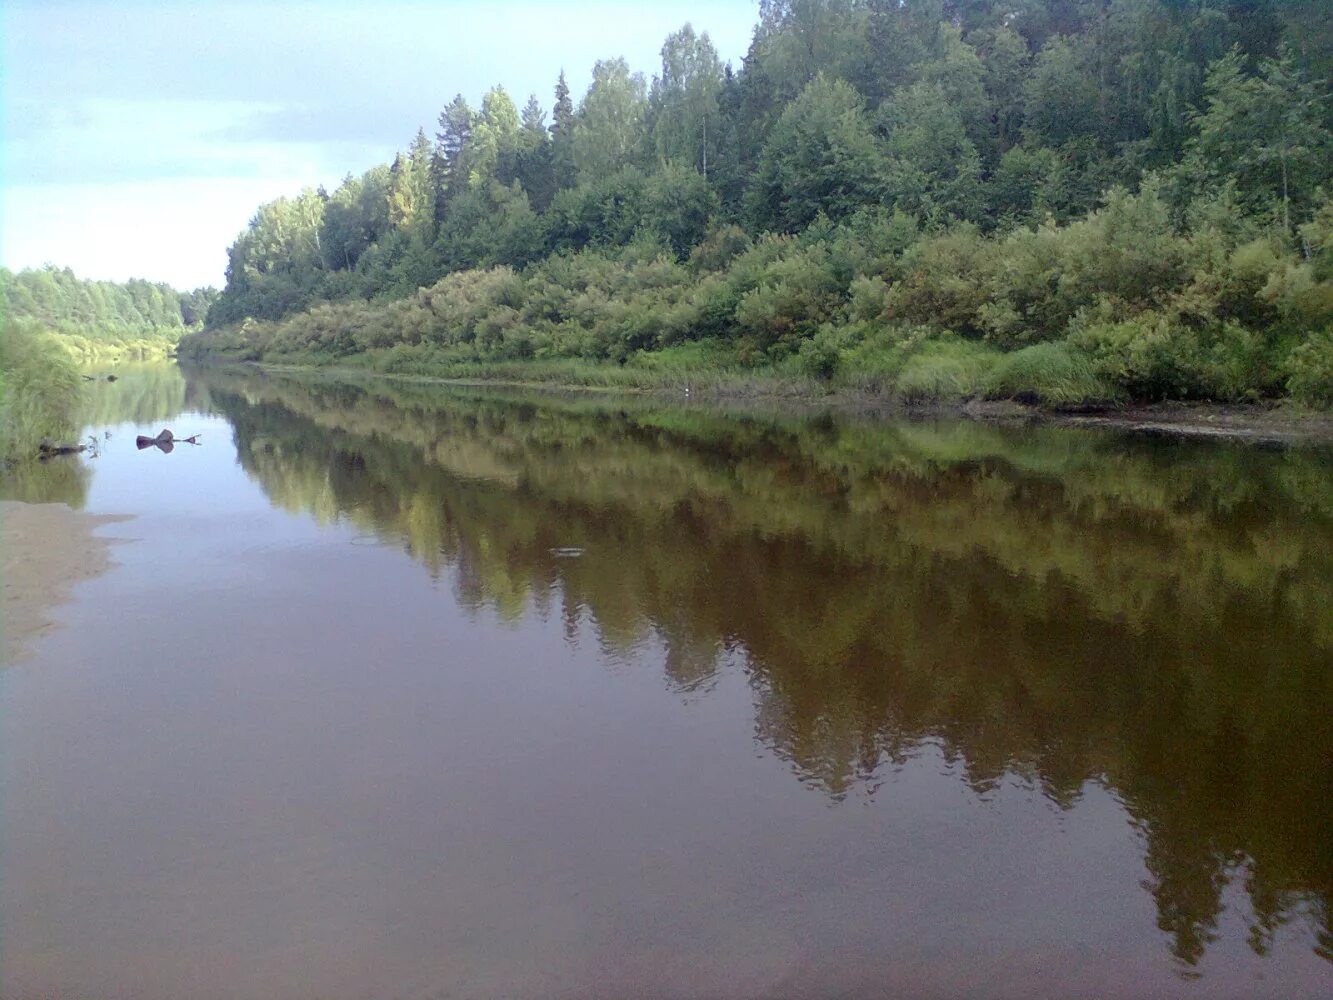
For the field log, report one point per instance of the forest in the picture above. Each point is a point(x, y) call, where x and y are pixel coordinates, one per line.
point(99, 320)
point(1060, 201)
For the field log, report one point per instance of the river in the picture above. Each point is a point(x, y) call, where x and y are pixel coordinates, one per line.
point(401, 690)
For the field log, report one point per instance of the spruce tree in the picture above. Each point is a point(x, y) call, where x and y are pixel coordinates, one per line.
point(562, 135)
point(457, 121)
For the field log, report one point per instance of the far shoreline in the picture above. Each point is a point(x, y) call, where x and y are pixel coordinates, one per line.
point(1277, 422)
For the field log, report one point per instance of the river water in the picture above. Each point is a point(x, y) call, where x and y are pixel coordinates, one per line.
point(413, 691)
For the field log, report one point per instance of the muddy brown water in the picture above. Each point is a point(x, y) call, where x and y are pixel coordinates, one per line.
point(412, 691)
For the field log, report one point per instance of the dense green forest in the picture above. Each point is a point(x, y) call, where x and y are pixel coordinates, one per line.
point(101, 319)
point(1062, 200)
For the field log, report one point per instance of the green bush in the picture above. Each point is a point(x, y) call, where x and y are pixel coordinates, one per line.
point(1050, 374)
point(39, 387)
point(944, 371)
point(819, 356)
point(1310, 370)
point(1148, 357)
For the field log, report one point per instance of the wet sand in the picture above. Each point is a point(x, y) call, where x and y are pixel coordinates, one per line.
point(45, 549)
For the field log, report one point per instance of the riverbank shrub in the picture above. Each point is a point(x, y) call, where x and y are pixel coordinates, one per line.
point(1309, 370)
point(1128, 306)
point(39, 388)
point(1049, 374)
point(945, 371)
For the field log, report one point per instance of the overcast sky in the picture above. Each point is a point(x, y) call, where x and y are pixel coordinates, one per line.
point(138, 137)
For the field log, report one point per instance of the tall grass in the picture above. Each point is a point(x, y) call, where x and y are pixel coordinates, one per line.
point(39, 389)
point(1049, 374)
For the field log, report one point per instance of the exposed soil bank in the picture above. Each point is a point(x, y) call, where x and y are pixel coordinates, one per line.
point(1252, 422)
point(45, 549)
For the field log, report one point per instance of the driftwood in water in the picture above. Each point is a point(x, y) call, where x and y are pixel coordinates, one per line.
point(164, 441)
point(49, 450)
point(98, 378)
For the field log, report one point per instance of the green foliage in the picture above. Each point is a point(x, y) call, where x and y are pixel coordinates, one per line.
point(1049, 374)
point(942, 281)
point(934, 170)
point(1061, 95)
point(821, 158)
point(54, 297)
point(1266, 132)
point(1310, 370)
point(795, 295)
point(1153, 357)
point(495, 138)
point(39, 390)
point(1144, 181)
point(683, 104)
point(609, 128)
point(945, 371)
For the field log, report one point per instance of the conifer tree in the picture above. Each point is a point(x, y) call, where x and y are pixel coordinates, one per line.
point(456, 121)
point(562, 135)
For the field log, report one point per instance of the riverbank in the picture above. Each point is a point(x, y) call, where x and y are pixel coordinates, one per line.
point(45, 550)
point(40, 386)
point(1277, 422)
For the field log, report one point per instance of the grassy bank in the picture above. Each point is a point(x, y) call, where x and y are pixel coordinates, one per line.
point(929, 372)
point(40, 386)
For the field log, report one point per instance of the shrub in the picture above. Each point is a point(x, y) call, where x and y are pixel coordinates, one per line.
point(1310, 370)
point(944, 282)
point(1050, 374)
point(945, 370)
point(1149, 356)
point(819, 356)
point(39, 387)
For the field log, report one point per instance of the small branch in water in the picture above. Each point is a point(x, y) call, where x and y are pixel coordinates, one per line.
point(47, 449)
point(164, 441)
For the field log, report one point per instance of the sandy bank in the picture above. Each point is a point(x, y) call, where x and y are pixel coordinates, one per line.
point(45, 549)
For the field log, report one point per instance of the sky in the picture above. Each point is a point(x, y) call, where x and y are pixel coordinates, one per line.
point(138, 138)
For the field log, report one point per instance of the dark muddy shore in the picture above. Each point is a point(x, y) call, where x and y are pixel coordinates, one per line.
point(1247, 422)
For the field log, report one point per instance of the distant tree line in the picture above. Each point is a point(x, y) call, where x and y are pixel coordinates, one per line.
point(886, 128)
point(56, 299)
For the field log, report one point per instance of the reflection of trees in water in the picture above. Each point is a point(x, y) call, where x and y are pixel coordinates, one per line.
point(63, 479)
point(142, 394)
point(1061, 606)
